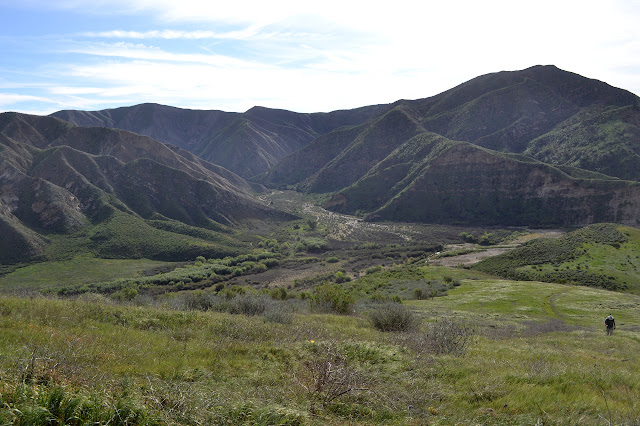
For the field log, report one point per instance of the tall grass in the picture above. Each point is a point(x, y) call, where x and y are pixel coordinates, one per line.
point(538, 353)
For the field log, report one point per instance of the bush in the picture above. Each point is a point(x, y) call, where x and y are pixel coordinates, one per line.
point(373, 270)
point(271, 263)
point(332, 297)
point(199, 300)
point(444, 336)
point(248, 305)
point(278, 315)
point(279, 293)
point(393, 317)
point(466, 237)
point(125, 294)
point(341, 277)
point(328, 376)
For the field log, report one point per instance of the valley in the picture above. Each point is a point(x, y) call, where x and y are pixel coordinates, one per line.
point(243, 339)
point(446, 260)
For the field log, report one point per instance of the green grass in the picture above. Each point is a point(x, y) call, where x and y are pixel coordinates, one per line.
point(125, 236)
point(601, 255)
point(77, 271)
point(539, 354)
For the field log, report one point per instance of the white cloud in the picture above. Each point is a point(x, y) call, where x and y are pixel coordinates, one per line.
point(125, 50)
point(7, 99)
point(307, 56)
point(244, 34)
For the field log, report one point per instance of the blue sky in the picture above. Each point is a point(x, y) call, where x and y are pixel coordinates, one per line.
point(302, 56)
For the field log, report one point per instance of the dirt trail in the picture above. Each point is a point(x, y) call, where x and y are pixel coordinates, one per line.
point(483, 253)
point(552, 308)
point(469, 258)
point(342, 227)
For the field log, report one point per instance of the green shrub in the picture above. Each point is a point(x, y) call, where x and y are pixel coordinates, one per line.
point(278, 315)
point(270, 263)
point(466, 237)
point(332, 297)
point(279, 293)
point(199, 300)
point(248, 305)
point(393, 317)
point(126, 293)
point(341, 277)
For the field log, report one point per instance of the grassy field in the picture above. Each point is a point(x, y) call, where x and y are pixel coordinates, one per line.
point(600, 255)
point(289, 332)
point(618, 261)
point(526, 353)
point(77, 271)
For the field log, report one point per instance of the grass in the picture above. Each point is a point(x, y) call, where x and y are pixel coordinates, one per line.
point(601, 255)
point(539, 354)
point(80, 270)
point(531, 351)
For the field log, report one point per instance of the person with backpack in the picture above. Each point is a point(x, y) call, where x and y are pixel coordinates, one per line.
point(610, 323)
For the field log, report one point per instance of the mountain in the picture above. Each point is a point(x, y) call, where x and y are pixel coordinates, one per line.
point(247, 144)
point(121, 193)
point(541, 146)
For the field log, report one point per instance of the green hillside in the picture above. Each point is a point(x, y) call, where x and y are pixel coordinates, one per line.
point(435, 180)
point(601, 255)
point(604, 141)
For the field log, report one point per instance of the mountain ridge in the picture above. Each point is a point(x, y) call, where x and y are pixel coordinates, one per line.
point(59, 179)
point(575, 129)
point(246, 143)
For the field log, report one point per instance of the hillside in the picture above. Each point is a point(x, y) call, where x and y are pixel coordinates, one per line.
point(489, 351)
point(457, 182)
point(112, 189)
point(246, 143)
point(540, 146)
point(600, 255)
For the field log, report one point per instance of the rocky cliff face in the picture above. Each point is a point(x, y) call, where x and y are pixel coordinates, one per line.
point(472, 186)
point(459, 183)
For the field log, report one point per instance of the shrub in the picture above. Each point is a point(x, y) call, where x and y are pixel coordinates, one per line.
point(270, 263)
point(444, 336)
point(332, 297)
point(393, 317)
point(341, 277)
point(279, 293)
point(278, 315)
point(467, 237)
point(199, 300)
point(327, 375)
point(127, 293)
point(333, 259)
point(373, 269)
point(248, 305)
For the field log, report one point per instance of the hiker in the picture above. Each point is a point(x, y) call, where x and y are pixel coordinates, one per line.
point(611, 324)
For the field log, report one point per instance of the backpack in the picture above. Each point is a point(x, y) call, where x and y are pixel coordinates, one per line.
point(608, 322)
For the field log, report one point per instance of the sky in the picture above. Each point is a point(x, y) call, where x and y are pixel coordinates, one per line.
point(303, 56)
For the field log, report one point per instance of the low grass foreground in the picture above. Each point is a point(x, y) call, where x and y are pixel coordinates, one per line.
point(490, 352)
